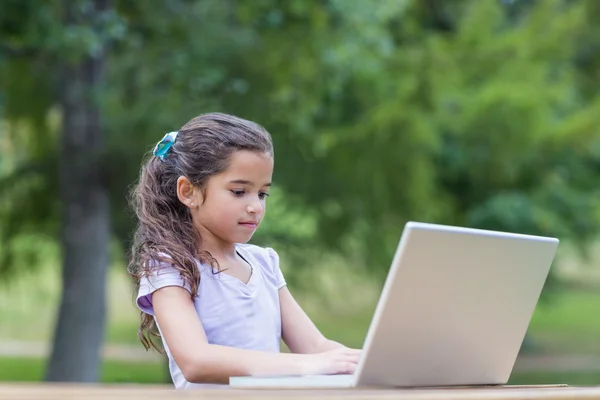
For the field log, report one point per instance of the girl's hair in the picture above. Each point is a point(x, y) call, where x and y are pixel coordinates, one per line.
point(165, 232)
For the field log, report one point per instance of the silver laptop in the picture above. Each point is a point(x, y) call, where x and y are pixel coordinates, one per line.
point(454, 310)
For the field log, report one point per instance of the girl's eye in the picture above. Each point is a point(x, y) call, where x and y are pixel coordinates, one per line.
point(237, 192)
point(262, 195)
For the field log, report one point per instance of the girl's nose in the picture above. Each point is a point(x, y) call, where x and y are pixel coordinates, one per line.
point(254, 207)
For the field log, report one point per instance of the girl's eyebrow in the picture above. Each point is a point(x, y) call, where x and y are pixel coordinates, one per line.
point(246, 182)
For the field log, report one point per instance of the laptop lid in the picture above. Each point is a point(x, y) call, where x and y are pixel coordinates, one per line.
point(455, 307)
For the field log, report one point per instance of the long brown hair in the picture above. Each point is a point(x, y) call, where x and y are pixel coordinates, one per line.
point(165, 232)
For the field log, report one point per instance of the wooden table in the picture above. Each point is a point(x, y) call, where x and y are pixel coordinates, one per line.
point(134, 392)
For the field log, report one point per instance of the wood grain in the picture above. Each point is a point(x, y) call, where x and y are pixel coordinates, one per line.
point(134, 392)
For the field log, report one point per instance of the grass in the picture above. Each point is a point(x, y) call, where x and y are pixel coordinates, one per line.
point(29, 305)
point(576, 378)
point(32, 370)
point(570, 324)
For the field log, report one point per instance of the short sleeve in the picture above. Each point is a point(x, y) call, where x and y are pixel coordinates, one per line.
point(274, 262)
point(162, 275)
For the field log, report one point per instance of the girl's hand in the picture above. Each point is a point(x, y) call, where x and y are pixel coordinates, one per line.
point(332, 362)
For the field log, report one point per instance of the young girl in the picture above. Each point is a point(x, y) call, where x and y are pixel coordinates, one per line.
point(220, 306)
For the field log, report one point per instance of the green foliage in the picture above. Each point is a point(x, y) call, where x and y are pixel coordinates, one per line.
point(479, 113)
point(482, 126)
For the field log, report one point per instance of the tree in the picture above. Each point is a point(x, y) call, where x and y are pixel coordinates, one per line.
point(85, 222)
point(463, 112)
point(85, 217)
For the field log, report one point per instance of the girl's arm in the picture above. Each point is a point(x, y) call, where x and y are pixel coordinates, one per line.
point(201, 362)
point(299, 333)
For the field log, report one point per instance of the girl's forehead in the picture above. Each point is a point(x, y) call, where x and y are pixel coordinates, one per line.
point(253, 166)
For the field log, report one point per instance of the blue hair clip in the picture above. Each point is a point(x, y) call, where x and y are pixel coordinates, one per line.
point(161, 150)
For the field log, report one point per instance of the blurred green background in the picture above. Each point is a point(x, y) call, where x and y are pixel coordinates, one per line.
point(479, 113)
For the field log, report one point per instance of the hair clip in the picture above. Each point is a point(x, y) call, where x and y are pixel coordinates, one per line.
point(161, 150)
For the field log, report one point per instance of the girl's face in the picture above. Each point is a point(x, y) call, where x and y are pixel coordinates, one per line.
point(232, 206)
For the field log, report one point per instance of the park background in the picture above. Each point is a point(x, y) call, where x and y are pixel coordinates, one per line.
point(479, 113)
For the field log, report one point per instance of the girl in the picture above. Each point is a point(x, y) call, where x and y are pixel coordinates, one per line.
point(219, 305)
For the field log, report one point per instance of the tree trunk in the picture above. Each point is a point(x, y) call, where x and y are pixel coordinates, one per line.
point(85, 230)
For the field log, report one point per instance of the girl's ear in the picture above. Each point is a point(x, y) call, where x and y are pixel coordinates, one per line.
point(187, 193)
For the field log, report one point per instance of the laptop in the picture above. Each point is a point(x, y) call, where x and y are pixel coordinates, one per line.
point(453, 311)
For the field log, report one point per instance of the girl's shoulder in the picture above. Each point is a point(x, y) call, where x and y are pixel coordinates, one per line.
point(256, 251)
point(265, 257)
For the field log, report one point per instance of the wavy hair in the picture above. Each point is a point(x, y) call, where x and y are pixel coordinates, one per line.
point(165, 232)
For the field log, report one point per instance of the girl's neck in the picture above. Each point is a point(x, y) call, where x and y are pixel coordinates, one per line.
point(221, 255)
point(219, 250)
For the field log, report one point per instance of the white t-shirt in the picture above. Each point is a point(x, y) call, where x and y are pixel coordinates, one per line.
point(245, 316)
